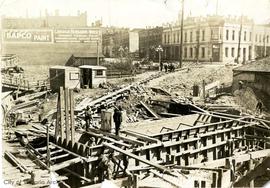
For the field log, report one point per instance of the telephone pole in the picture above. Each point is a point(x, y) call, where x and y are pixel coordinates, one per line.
point(239, 41)
point(181, 34)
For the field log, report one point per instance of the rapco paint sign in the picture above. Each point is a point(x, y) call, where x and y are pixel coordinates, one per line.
point(16, 35)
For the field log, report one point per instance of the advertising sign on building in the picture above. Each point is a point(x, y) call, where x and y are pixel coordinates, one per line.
point(83, 35)
point(23, 35)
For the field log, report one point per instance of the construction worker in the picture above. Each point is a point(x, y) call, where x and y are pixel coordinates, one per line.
point(166, 67)
point(117, 117)
point(87, 117)
point(106, 166)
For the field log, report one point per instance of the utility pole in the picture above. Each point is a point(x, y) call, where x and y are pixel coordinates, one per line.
point(239, 41)
point(181, 34)
point(98, 52)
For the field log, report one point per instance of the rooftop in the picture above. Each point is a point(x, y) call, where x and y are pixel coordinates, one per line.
point(89, 55)
point(95, 67)
point(262, 65)
point(63, 67)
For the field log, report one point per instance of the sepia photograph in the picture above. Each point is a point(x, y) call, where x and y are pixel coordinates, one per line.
point(135, 94)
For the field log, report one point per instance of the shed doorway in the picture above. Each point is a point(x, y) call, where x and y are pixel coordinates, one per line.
point(86, 78)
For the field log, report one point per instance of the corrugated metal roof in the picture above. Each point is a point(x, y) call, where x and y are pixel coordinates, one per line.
point(262, 65)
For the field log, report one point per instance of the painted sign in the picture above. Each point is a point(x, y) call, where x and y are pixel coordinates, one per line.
point(23, 35)
point(77, 35)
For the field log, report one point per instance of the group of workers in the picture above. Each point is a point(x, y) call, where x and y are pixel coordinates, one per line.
point(117, 118)
point(167, 67)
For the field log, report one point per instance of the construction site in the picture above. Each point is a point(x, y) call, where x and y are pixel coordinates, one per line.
point(200, 125)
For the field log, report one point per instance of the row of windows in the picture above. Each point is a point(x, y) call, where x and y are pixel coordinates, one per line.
point(258, 38)
point(234, 52)
point(176, 37)
point(233, 37)
point(262, 38)
point(193, 52)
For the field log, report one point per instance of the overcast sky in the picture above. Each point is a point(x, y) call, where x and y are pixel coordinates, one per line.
point(137, 13)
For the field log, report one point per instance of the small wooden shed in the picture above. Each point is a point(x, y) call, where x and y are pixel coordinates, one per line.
point(64, 76)
point(92, 76)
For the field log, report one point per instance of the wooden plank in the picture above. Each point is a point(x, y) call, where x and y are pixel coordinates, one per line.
point(149, 110)
point(162, 168)
point(16, 162)
point(67, 114)
point(161, 176)
point(72, 120)
point(62, 114)
point(106, 138)
point(140, 136)
point(70, 152)
point(129, 140)
point(59, 156)
point(65, 164)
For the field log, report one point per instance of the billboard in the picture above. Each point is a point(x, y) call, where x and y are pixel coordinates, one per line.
point(83, 35)
point(27, 35)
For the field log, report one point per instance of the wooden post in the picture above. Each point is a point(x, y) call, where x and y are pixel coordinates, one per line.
point(58, 112)
point(67, 114)
point(62, 114)
point(203, 89)
point(251, 167)
point(48, 146)
point(72, 121)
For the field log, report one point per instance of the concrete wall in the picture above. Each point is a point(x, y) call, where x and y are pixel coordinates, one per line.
point(245, 77)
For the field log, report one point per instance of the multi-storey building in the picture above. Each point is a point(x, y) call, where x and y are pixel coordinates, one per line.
point(215, 38)
point(149, 39)
point(115, 41)
point(47, 21)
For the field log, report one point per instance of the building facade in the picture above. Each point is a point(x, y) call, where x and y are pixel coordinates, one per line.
point(149, 40)
point(215, 38)
point(115, 41)
point(47, 21)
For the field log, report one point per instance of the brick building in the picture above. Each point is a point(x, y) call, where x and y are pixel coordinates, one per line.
point(115, 41)
point(149, 39)
point(48, 21)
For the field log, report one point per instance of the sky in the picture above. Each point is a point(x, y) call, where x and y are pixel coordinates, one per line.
point(138, 13)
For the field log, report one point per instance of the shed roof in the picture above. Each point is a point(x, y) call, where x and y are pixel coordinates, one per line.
point(63, 67)
point(94, 67)
point(87, 55)
point(262, 65)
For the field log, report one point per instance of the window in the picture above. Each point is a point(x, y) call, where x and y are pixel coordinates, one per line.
point(233, 34)
point(203, 33)
point(168, 40)
point(190, 36)
point(245, 36)
point(203, 52)
point(164, 39)
point(250, 36)
point(185, 52)
point(232, 52)
point(197, 35)
point(178, 36)
point(185, 36)
point(191, 52)
point(267, 39)
point(226, 52)
point(174, 38)
point(99, 72)
point(260, 38)
point(73, 76)
point(227, 34)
